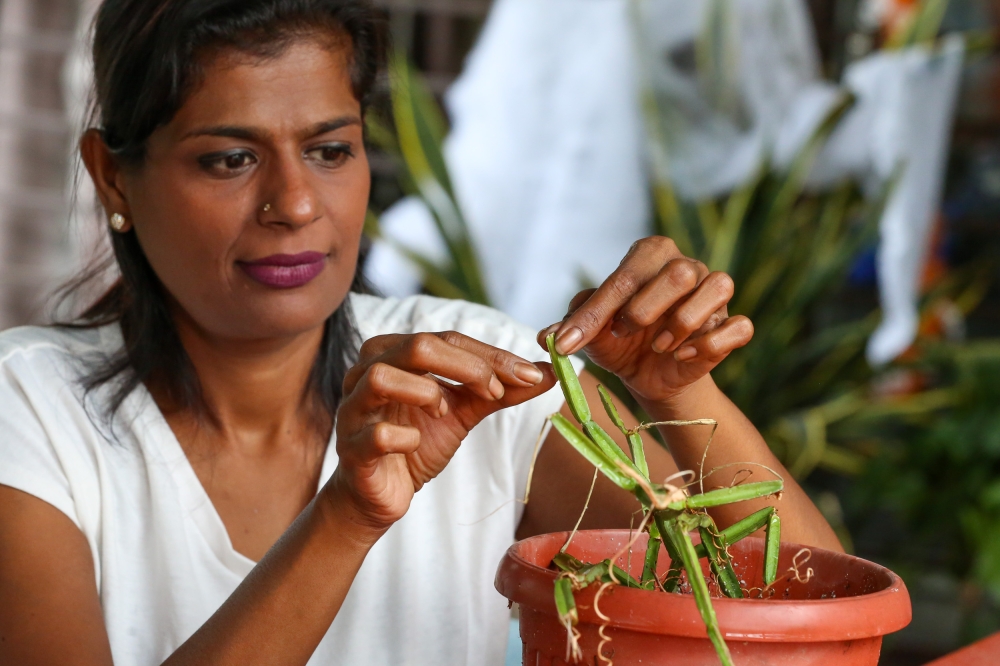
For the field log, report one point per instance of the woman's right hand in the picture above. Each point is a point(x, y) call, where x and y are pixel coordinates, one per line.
point(399, 424)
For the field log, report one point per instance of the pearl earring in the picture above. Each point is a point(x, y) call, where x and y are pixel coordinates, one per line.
point(118, 222)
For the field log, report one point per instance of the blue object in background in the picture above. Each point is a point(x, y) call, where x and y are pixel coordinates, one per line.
point(864, 271)
point(513, 644)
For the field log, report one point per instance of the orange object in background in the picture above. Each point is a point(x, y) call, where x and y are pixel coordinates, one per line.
point(984, 653)
point(896, 16)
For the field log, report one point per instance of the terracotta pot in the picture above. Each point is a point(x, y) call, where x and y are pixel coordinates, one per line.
point(838, 617)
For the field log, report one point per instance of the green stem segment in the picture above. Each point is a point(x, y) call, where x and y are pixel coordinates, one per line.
point(600, 437)
point(592, 452)
point(718, 559)
point(721, 496)
point(672, 583)
point(742, 529)
point(772, 546)
point(648, 578)
point(682, 542)
point(569, 382)
point(634, 439)
point(565, 603)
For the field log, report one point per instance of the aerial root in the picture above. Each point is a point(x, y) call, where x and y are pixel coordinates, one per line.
point(628, 547)
point(573, 652)
point(736, 477)
point(605, 621)
point(658, 499)
point(796, 564)
point(546, 426)
point(586, 505)
point(728, 465)
point(799, 561)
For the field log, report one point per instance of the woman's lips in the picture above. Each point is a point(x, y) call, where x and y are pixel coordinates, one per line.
point(285, 271)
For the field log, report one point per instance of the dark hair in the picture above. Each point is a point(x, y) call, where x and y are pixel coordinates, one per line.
point(148, 56)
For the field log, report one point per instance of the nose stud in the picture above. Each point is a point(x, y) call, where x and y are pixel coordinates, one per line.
point(267, 208)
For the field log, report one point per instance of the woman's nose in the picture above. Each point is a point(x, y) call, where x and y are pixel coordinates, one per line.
point(293, 200)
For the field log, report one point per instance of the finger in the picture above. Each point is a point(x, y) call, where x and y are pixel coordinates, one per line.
point(703, 307)
point(383, 384)
point(672, 284)
point(510, 368)
point(714, 346)
point(428, 353)
point(470, 412)
point(378, 440)
point(369, 353)
point(578, 300)
point(640, 265)
point(574, 304)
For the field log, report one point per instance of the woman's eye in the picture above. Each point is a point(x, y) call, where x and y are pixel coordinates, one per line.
point(228, 163)
point(331, 155)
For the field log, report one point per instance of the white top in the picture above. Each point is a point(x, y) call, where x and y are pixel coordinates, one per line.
point(163, 559)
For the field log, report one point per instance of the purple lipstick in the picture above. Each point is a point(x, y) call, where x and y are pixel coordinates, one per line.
point(285, 271)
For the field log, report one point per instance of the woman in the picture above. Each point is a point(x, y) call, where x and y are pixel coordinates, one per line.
point(205, 468)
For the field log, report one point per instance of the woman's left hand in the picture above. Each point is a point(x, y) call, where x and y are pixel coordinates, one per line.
point(660, 321)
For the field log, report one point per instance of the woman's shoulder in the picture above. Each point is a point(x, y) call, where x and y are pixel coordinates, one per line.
point(380, 316)
point(33, 344)
point(48, 444)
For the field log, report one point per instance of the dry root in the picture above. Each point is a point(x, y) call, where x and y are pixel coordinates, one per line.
point(796, 564)
point(605, 621)
point(799, 561)
point(573, 652)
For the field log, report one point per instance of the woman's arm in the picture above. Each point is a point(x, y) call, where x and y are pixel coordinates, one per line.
point(660, 322)
point(737, 449)
point(51, 613)
point(397, 428)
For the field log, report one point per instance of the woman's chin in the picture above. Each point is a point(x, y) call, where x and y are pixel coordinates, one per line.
point(275, 321)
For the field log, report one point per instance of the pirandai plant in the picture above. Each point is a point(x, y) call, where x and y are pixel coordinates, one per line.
point(670, 515)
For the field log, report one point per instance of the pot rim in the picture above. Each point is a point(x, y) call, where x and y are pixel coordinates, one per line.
point(755, 620)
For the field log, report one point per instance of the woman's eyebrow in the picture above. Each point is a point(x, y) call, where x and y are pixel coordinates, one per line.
point(256, 134)
point(332, 125)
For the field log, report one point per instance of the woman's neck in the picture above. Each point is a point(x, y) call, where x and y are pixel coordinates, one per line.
point(256, 393)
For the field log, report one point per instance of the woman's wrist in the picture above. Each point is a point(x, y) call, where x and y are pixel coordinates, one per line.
point(338, 511)
point(691, 402)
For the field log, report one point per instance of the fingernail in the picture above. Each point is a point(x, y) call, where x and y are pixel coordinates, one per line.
point(567, 341)
point(443, 407)
point(496, 388)
point(528, 373)
point(663, 341)
point(685, 353)
point(620, 330)
point(549, 331)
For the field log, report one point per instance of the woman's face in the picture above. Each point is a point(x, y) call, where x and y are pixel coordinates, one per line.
point(251, 202)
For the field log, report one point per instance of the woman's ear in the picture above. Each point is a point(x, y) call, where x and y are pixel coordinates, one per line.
point(106, 172)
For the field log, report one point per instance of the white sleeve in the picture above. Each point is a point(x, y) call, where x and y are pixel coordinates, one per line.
point(528, 420)
point(29, 459)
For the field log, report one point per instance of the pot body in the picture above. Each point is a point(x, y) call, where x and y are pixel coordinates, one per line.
point(543, 642)
point(837, 618)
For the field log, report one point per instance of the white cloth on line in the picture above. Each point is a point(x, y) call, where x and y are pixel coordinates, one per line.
point(547, 148)
point(546, 154)
point(901, 125)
